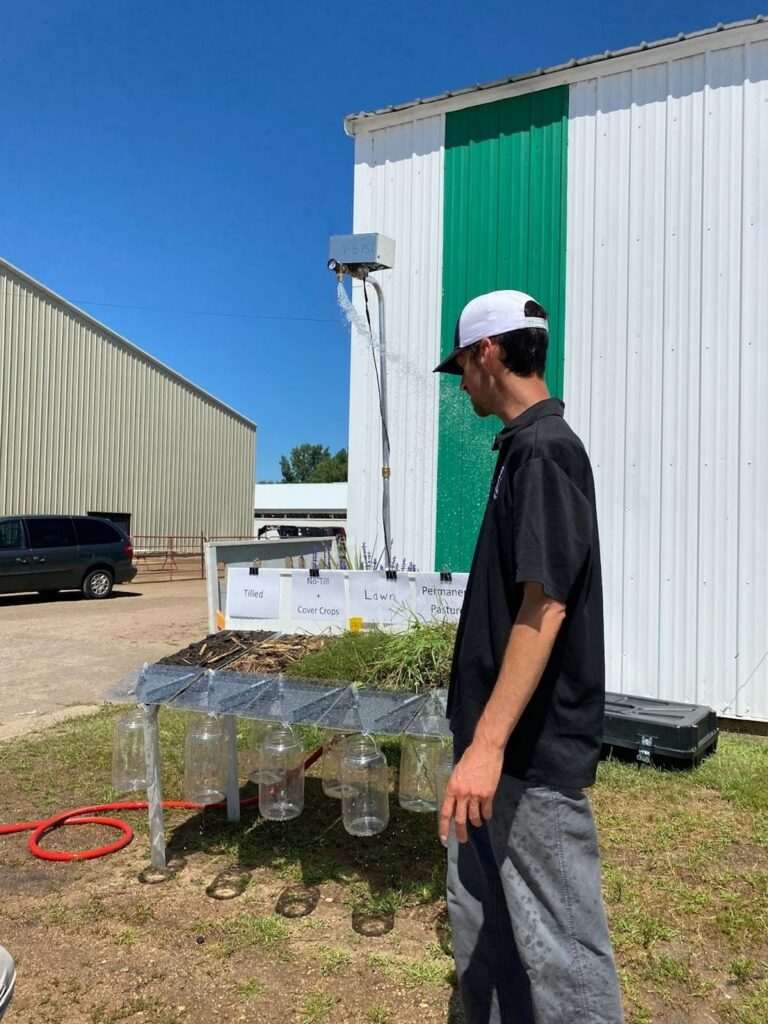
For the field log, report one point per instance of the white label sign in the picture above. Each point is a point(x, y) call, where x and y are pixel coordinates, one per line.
point(253, 597)
point(374, 598)
point(438, 599)
point(318, 597)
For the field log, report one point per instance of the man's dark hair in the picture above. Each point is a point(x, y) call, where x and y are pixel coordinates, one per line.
point(524, 352)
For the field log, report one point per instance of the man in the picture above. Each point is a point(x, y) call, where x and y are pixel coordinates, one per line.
point(526, 700)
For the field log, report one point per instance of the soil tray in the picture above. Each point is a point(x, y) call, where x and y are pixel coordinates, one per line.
point(245, 651)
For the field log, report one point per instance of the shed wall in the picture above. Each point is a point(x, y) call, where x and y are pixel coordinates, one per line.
point(399, 192)
point(666, 369)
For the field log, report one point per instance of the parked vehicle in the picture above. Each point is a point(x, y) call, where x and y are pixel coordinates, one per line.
point(52, 553)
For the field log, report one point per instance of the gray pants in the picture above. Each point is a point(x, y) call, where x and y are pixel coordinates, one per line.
point(7, 978)
point(529, 932)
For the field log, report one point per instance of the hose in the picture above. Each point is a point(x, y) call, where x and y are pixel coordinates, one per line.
point(86, 816)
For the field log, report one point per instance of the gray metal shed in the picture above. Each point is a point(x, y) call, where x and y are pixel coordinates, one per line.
point(89, 422)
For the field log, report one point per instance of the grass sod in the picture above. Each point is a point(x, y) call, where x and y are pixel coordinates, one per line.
point(685, 883)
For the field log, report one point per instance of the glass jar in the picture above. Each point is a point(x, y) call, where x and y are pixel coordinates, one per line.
point(418, 768)
point(281, 776)
point(205, 760)
point(256, 733)
point(129, 762)
point(364, 787)
point(333, 749)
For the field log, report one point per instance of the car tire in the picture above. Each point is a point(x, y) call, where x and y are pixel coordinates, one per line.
point(97, 584)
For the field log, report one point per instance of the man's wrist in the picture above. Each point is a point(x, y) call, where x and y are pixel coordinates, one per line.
point(490, 736)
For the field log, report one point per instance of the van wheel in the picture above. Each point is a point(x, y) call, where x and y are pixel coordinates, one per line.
point(97, 584)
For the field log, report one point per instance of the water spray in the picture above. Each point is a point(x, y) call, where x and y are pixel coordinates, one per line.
point(358, 256)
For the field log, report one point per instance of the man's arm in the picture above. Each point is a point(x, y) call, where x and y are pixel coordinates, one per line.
point(470, 791)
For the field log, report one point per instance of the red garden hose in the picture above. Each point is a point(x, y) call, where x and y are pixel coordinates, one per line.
point(85, 816)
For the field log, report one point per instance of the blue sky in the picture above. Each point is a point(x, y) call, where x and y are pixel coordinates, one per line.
point(175, 167)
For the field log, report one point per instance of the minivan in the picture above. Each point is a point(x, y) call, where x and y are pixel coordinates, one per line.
point(52, 553)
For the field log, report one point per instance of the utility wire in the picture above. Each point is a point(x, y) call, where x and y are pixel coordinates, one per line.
point(205, 312)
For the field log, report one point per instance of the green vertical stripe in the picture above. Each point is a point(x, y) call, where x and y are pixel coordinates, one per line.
point(504, 227)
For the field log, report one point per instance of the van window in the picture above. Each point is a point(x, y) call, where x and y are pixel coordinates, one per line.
point(53, 532)
point(12, 535)
point(94, 531)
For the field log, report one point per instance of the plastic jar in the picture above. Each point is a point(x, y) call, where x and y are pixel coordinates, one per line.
point(129, 762)
point(205, 760)
point(281, 776)
point(418, 769)
point(333, 749)
point(364, 787)
point(256, 731)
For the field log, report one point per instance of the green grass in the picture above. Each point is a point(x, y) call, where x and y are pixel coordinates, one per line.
point(416, 659)
point(244, 931)
point(346, 656)
point(315, 1008)
point(252, 989)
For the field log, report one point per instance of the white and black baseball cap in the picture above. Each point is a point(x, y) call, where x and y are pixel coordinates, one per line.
point(485, 317)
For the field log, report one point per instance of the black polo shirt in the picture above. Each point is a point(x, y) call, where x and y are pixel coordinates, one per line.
point(540, 525)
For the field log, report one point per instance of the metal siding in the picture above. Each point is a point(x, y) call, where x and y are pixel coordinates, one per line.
point(505, 169)
point(87, 422)
point(752, 666)
point(398, 192)
point(664, 376)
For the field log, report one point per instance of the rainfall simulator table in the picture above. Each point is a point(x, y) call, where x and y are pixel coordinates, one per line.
point(337, 707)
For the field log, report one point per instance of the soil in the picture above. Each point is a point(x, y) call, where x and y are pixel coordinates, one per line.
point(94, 945)
point(246, 651)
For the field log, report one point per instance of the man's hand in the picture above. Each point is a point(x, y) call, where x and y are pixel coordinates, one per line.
point(471, 788)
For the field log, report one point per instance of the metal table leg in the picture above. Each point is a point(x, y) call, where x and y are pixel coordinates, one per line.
point(154, 792)
point(233, 782)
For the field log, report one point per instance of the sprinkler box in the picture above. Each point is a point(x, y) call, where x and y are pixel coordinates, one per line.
point(372, 251)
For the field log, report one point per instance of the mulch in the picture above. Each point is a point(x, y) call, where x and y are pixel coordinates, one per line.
point(245, 651)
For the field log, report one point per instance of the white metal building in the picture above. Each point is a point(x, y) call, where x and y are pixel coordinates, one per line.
point(299, 505)
point(629, 193)
point(90, 423)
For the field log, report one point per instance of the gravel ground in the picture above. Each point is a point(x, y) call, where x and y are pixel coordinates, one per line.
point(60, 655)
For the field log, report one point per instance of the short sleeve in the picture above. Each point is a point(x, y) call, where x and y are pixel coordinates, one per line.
point(553, 526)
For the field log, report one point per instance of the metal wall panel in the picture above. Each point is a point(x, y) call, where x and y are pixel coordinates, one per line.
point(88, 422)
point(503, 227)
point(666, 371)
point(399, 192)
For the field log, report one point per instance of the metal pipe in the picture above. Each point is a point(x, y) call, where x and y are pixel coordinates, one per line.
point(385, 470)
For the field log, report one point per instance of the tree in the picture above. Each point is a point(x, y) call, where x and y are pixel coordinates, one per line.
point(332, 469)
point(313, 463)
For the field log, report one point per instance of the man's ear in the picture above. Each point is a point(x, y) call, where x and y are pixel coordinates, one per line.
point(486, 348)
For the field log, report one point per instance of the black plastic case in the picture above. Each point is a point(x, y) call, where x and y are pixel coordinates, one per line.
point(659, 732)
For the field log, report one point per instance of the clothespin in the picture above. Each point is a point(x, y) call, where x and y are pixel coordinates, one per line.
point(446, 577)
point(314, 572)
point(254, 569)
point(391, 574)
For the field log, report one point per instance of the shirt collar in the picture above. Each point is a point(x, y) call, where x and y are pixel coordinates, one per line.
point(547, 407)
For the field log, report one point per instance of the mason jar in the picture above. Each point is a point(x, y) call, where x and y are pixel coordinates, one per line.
point(205, 760)
point(418, 770)
point(281, 774)
point(364, 787)
point(129, 762)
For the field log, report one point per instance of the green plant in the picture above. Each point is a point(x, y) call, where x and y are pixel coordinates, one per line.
point(742, 969)
point(315, 1008)
point(378, 1014)
point(252, 989)
point(417, 659)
